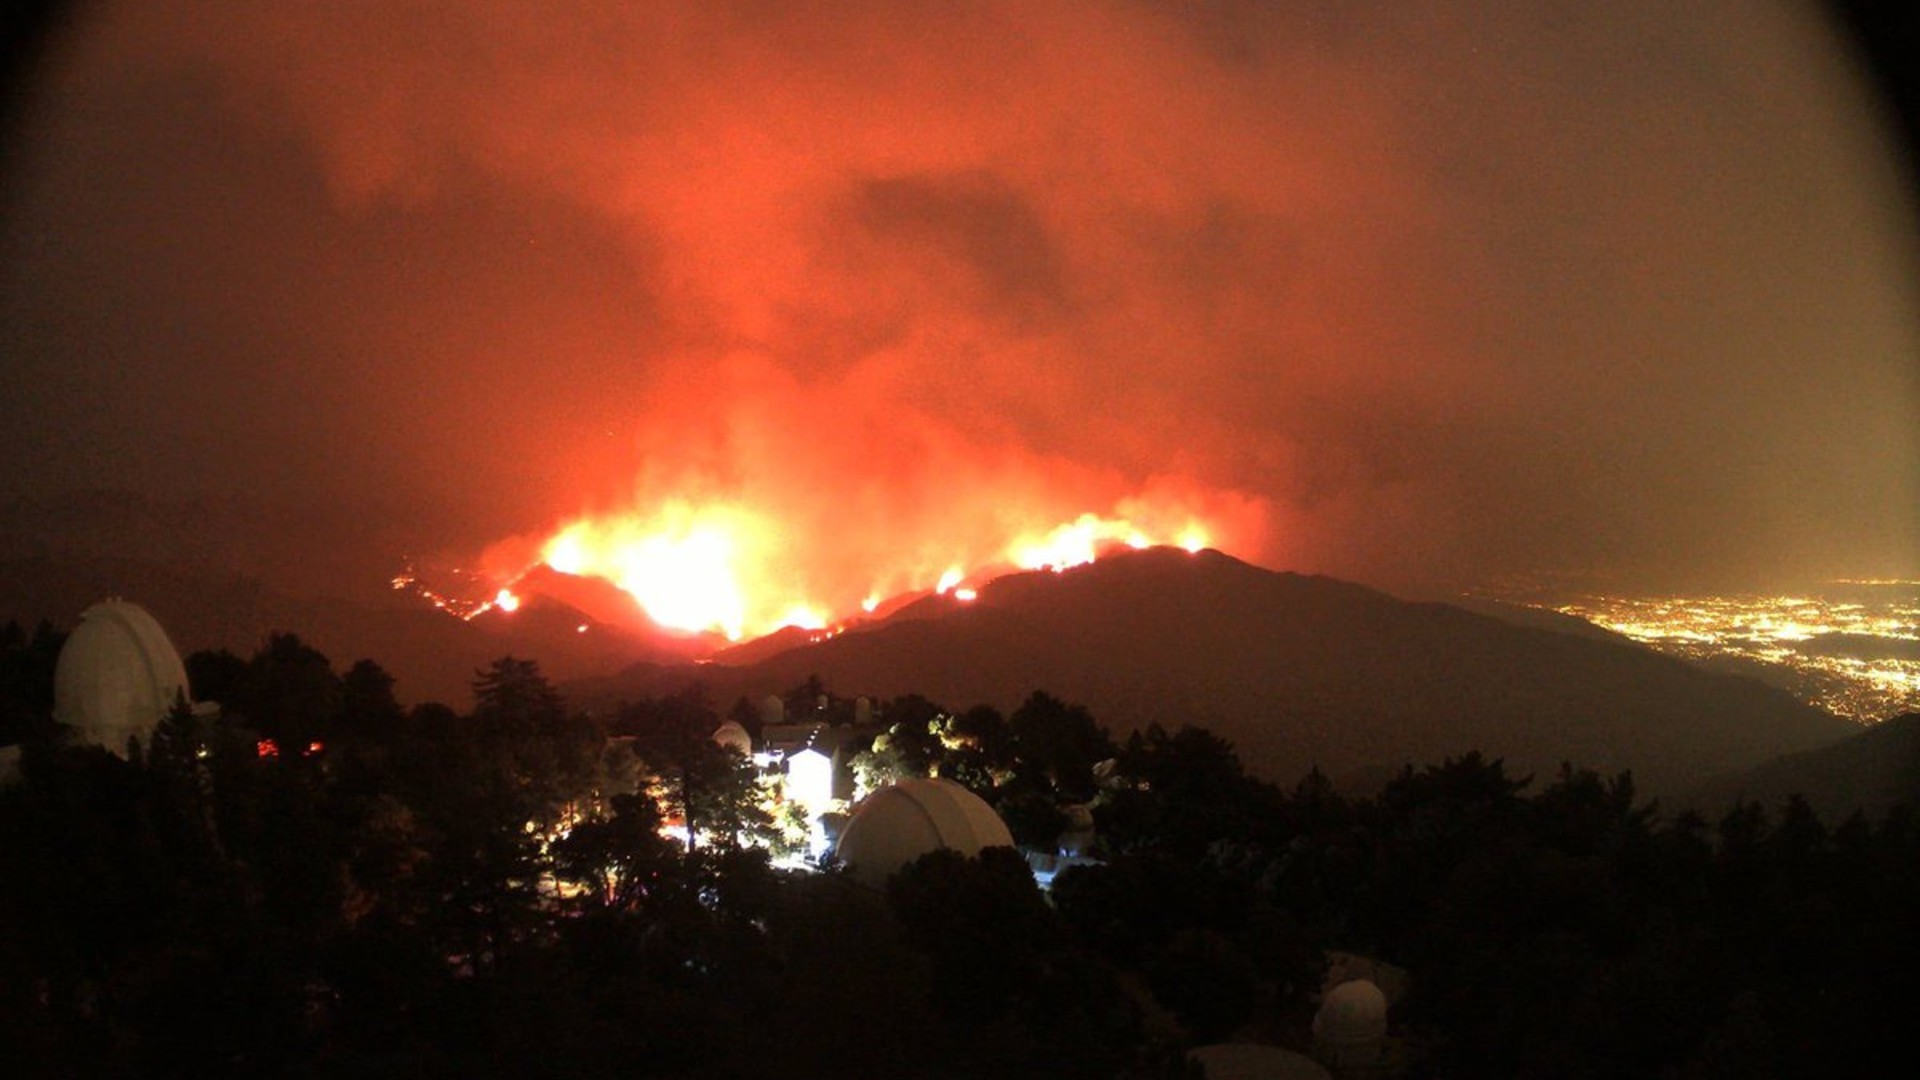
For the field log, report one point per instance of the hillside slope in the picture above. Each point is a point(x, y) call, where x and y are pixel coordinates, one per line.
point(1867, 772)
point(1295, 670)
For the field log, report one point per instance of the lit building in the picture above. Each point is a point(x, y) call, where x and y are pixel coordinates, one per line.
point(809, 758)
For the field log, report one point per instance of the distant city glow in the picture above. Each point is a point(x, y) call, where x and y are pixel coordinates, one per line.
point(1852, 648)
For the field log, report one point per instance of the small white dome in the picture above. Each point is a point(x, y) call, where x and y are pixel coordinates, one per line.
point(117, 676)
point(734, 737)
point(900, 823)
point(1351, 1025)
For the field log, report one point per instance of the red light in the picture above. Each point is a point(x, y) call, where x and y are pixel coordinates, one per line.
point(266, 748)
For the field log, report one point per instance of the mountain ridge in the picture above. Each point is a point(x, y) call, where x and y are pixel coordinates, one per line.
point(1868, 772)
point(1296, 670)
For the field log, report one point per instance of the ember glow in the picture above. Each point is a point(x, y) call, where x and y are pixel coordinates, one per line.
point(453, 602)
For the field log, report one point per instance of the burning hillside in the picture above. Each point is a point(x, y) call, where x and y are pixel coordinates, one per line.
point(722, 567)
point(743, 499)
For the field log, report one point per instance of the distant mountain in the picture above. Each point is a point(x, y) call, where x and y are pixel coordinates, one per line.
point(1294, 670)
point(1867, 772)
point(1539, 618)
point(765, 647)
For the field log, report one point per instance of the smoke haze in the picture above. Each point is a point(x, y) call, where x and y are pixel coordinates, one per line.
point(1422, 295)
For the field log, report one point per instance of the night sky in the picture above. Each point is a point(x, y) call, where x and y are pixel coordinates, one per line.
point(1423, 295)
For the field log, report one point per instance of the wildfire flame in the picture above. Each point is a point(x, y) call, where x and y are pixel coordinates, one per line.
point(721, 567)
point(408, 581)
point(1082, 540)
point(684, 566)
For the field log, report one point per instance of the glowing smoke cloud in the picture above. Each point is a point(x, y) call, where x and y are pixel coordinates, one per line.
point(783, 503)
point(814, 302)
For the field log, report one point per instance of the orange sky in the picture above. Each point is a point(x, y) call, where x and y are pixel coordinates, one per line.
point(1421, 296)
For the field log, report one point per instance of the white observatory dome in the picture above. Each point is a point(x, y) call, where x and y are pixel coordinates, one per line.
point(773, 711)
point(734, 737)
point(1351, 1026)
point(117, 676)
point(900, 823)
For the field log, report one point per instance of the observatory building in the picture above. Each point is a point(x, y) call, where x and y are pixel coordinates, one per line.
point(900, 823)
point(734, 737)
point(117, 676)
point(1350, 1030)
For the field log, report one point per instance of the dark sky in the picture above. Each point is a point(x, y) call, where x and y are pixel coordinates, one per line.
point(1421, 294)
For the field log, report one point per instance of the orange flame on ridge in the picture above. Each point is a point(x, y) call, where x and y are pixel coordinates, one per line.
point(722, 567)
point(1082, 540)
point(684, 565)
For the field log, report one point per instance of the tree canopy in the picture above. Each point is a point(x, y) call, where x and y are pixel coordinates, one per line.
point(438, 893)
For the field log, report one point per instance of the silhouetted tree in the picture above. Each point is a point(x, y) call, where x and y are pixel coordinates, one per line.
point(289, 693)
point(368, 707)
point(1181, 793)
point(511, 697)
point(202, 910)
point(1206, 981)
point(983, 923)
point(620, 858)
point(216, 675)
point(1058, 744)
point(747, 715)
point(1032, 817)
point(713, 789)
point(27, 664)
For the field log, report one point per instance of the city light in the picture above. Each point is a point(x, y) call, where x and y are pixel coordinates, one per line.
point(1852, 648)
